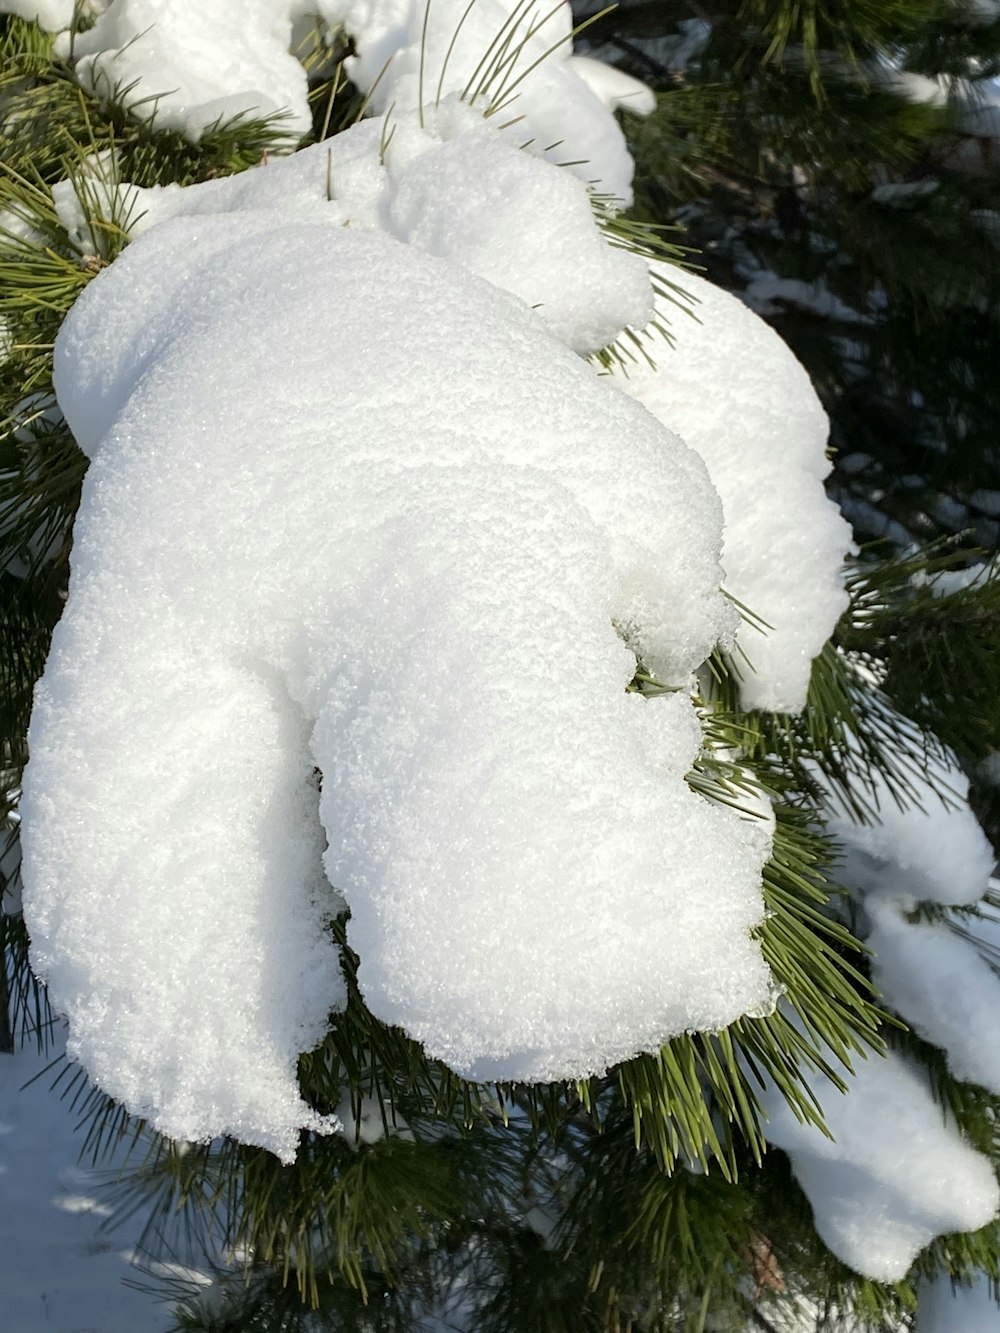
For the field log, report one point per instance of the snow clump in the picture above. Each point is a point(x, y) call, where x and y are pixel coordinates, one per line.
point(365, 561)
point(934, 975)
point(924, 846)
point(896, 1173)
point(457, 188)
point(397, 555)
point(762, 433)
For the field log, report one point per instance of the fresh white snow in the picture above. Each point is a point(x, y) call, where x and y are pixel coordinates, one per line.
point(762, 433)
point(398, 554)
point(458, 188)
point(365, 560)
point(896, 1172)
point(926, 846)
point(190, 66)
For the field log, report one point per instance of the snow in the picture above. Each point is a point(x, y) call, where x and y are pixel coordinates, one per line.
point(397, 555)
point(765, 290)
point(192, 66)
point(942, 986)
point(64, 1270)
point(457, 188)
point(929, 849)
point(762, 433)
point(613, 86)
point(949, 581)
point(896, 1173)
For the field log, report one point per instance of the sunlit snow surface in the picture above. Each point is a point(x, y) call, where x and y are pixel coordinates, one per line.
point(896, 1172)
point(737, 395)
point(192, 65)
point(63, 1264)
point(396, 552)
point(456, 187)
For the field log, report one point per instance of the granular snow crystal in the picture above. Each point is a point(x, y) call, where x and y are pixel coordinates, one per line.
point(354, 511)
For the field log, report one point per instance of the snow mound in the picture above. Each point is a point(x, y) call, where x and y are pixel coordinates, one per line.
point(897, 1172)
point(398, 555)
point(737, 395)
point(457, 188)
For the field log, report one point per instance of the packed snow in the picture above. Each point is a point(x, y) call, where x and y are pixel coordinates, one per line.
point(191, 66)
point(762, 433)
point(896, 1173)
point(398, 555)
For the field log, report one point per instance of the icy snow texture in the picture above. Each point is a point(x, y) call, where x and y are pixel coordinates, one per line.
point(735, 393)
point(395, 553)
point(458, 189)
point(896, 1174)
point(194, 64)
point(944, 988)
point(930, 850)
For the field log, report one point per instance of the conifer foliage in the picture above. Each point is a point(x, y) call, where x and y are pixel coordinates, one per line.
point(823, 1153)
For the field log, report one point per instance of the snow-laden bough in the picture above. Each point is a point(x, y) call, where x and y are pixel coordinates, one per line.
point(894, 1172)
point(191, 66)
point(353, 510)
point(762, 433)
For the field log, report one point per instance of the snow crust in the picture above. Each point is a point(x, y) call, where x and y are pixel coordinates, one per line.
point(897, 1172)
point(762, 434)
point(457, 188)
point(396, 555)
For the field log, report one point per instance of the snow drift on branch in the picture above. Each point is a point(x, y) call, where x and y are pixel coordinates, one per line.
point(762, 433)
point(456, 187)
point(192, 65)
point(896, 1172)
point(351, 507)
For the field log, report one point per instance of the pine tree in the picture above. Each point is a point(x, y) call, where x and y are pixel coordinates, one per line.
point(648, 1198)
